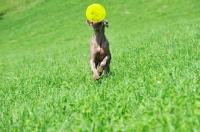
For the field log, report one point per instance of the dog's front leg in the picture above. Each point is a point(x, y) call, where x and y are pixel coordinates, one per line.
point(102, 65)
point(94, 70)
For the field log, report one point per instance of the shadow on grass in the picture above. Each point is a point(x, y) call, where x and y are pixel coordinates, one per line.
point(105, 77)
point(1, 15)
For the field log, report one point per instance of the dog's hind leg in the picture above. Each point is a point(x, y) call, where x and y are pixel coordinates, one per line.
point(107, 66)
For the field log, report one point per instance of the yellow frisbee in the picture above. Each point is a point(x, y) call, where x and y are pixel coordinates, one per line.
point(95, 13)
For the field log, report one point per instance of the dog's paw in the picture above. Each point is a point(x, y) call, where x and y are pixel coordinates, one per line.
point(96, 77)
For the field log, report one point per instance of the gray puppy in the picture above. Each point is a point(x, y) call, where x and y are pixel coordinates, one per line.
point(100, 55)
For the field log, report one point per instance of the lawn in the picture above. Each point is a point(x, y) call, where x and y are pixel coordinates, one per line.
point(46, 82)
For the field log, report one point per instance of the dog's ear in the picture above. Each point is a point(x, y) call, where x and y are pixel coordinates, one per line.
point(88, 22)
point(105, 23)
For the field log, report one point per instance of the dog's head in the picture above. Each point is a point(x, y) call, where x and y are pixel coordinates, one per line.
point(97, 26)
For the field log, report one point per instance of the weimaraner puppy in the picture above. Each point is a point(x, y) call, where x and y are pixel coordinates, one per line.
point(100, 55)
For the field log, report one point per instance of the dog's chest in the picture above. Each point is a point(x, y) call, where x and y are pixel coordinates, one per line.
point(100, 53)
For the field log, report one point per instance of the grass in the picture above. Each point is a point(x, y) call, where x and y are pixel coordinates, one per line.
point(45, 78)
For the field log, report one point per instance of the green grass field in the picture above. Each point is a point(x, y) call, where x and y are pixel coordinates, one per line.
point(45, 79)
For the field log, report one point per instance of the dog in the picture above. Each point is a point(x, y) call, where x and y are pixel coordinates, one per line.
point(100, 55)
